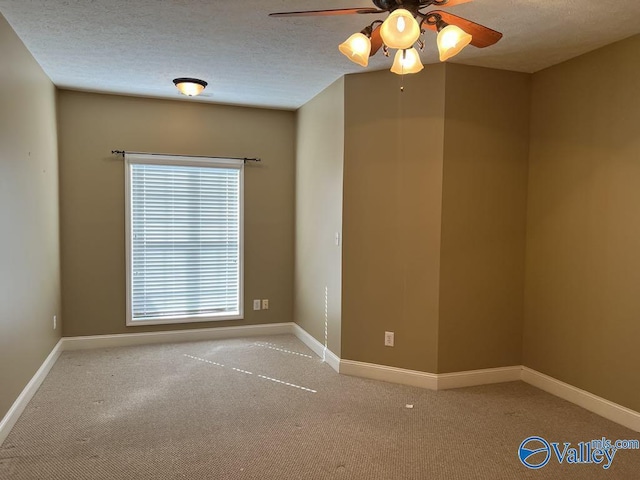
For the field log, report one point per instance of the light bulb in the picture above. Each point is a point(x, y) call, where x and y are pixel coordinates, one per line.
point(401, 24)
point(400, 30)
point(451, 40)
point(190, 89)
point(356, 48)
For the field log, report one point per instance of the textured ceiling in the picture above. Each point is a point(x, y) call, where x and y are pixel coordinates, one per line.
point(138, 47)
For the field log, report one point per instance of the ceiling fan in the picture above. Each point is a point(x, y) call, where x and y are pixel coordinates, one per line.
point(407, 20)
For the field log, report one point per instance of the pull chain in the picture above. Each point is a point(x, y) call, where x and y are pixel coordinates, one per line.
point(404, 57)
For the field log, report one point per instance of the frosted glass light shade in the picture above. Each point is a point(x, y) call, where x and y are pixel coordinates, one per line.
point(400, 30)
point(407, 61)
point(356, 48)
point(451, 41)
point(190, 87)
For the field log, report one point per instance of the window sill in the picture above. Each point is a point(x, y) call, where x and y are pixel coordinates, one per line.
point(181, 320)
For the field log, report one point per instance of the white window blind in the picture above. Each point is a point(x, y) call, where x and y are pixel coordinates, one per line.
point(185, 239)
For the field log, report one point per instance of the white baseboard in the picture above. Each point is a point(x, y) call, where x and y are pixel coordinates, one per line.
point(389, 374)
point(10, 419)
point(473, 378)
point(598, 405)
point(318, 348)
point(194, 335)
point(432, 381)
point(332, 360)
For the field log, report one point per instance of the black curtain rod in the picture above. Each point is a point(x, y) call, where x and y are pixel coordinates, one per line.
point(245, 160)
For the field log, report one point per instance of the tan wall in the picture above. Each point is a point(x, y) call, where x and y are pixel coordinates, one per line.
point(483, 218)
point(392, 203)
point(29, 242)
point(92, 198)
point(318, 260)
point(583, 262)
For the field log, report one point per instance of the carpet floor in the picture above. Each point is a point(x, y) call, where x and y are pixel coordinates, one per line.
point(268, 408)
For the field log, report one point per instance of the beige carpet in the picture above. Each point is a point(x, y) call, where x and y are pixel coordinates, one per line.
point(267, 408)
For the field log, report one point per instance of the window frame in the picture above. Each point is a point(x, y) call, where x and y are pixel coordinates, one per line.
point(183, 161)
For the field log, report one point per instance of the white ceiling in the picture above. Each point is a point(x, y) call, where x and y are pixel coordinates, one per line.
point(138, 47)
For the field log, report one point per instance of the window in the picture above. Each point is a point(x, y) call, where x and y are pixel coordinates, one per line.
point(184, 239)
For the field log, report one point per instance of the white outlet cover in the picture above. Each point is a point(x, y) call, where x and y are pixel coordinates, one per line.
point(256, 304)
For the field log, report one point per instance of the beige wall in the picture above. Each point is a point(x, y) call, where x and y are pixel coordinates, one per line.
point(29, 242)
point(486, 152)
point(92, 198)
point(582, 321)
point(391, 217)
point(318, 260)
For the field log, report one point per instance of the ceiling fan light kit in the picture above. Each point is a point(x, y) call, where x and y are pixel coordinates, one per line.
point(357, 48)
point(191, 87)
point(407, 61)
point(407, 20)
point(451, 40)
point(400, 30)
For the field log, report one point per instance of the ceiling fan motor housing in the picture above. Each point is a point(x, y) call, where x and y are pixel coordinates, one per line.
point(390, 5)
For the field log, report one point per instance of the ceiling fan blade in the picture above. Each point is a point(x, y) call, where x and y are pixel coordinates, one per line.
point(482, 36)
point(376, 41)
point(322, 13)
point(445, 3)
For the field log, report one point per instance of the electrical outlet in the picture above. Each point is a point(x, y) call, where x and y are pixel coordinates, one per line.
point(256, 304)
point(55, 321)
point(388, 339)
point(265, 304)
